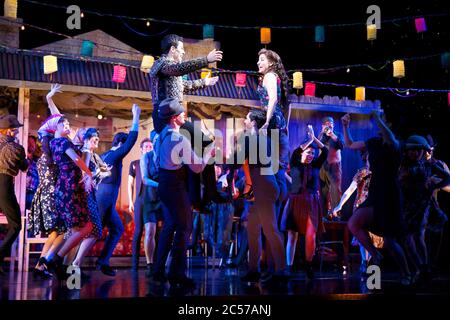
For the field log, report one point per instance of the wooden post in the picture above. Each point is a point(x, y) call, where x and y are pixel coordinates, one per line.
point(23, 115)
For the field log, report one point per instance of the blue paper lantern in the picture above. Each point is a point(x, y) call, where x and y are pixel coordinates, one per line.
point(208, 31)
point(320, 34)
point(87, 48)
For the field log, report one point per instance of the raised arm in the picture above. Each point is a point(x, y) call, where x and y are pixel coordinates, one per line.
point(78, 161)
point(386, 133)
point(349, 143)
point(55, 88)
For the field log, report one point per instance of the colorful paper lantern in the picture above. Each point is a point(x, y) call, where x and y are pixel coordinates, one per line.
point(371, 32)
point(445, 60)
point(120, 73)
point(421, 26)
point(205, 73)
point(241, 80)
point(87, 48)
point(147, 63)
point(448, 93)
point(265, 36)
point(50, 64)
point(360, 94)
point(10, 9)
point(310, 89)
point(208, 31)
point(298, 80)
point(399, 69)
point(320, 34)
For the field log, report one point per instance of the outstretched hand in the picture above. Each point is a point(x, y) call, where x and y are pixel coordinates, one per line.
point(346, 120)
point(211, 81)
point(214, 56)
point(136, 110)
point(55, 88)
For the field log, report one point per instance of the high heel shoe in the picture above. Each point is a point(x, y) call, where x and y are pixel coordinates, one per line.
point(248, 195)
point(42, 273)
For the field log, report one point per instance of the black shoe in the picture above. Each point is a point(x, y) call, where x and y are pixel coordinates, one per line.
point(183, 282)
point(106, 269)
point(309, 270)
point(251, 276)
point(159, 278)
point(149, 270)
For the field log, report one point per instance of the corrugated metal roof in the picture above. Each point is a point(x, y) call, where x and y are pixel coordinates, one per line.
point(27, 66)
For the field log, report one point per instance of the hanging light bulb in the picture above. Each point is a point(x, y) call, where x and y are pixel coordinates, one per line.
point(99, 116)
point(82, 15)
point(76, 115)
point(348, 70)
point(148, 23)
point(22, 28)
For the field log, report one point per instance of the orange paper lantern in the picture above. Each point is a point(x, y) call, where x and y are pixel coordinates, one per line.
point(265, 36)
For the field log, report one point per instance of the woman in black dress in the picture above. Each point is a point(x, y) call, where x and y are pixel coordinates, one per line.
point(381, 213)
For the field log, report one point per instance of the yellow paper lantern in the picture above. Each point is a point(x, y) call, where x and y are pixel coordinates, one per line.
point(298, 80)
point(205, 73)
point(147, 63)
point(360, 94)
point(10, 9)
point(265, 36)
point(50, 64)
point(371, 32)
point(399, 69)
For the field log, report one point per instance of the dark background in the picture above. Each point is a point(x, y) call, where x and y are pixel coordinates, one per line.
point(421, 113)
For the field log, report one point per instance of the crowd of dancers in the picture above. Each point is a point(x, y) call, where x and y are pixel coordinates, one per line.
point(176, 188)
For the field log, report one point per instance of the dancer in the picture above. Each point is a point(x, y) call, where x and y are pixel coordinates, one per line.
point(12, 160)
point(100, 171)
point(43, 218)
point(415, 177)
point(108, 191)
point(360, 184)
point(303, 213)
point(331, 171)
point(262, 215)
point(381, 213)
point(166, 82)
point(173, 154)
point(74, 181)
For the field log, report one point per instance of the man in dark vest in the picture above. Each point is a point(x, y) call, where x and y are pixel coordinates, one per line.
point(12, 159)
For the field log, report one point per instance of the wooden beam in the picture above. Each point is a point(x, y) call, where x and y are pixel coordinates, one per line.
point(228, 101)
point(23, 115)
point(70, 88)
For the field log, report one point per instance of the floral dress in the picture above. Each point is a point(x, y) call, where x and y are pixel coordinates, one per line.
point(277, 121)
point(43, 218)
point(94, 215)
point(70, 195)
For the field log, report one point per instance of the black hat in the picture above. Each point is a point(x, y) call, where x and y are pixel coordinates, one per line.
point(9, 121)
point(417, 142)
point(169, 107)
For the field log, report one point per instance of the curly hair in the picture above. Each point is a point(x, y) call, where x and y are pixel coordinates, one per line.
point(278, 68)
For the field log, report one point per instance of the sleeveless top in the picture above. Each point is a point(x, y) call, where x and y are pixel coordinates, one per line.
point(277, 121)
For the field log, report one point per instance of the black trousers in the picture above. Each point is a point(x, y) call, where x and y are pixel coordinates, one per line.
point(208, 175)
point(11, 209)
point(177, 222)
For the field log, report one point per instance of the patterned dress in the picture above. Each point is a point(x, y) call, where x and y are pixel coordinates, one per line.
point(94, 215)
point(70, 196)
point(277, 121)
point(43, 218)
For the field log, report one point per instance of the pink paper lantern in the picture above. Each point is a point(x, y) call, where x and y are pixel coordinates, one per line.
point(241, 80)
point(448, 93)
point(310, 89)
point(120, 73)
point(420, 25)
